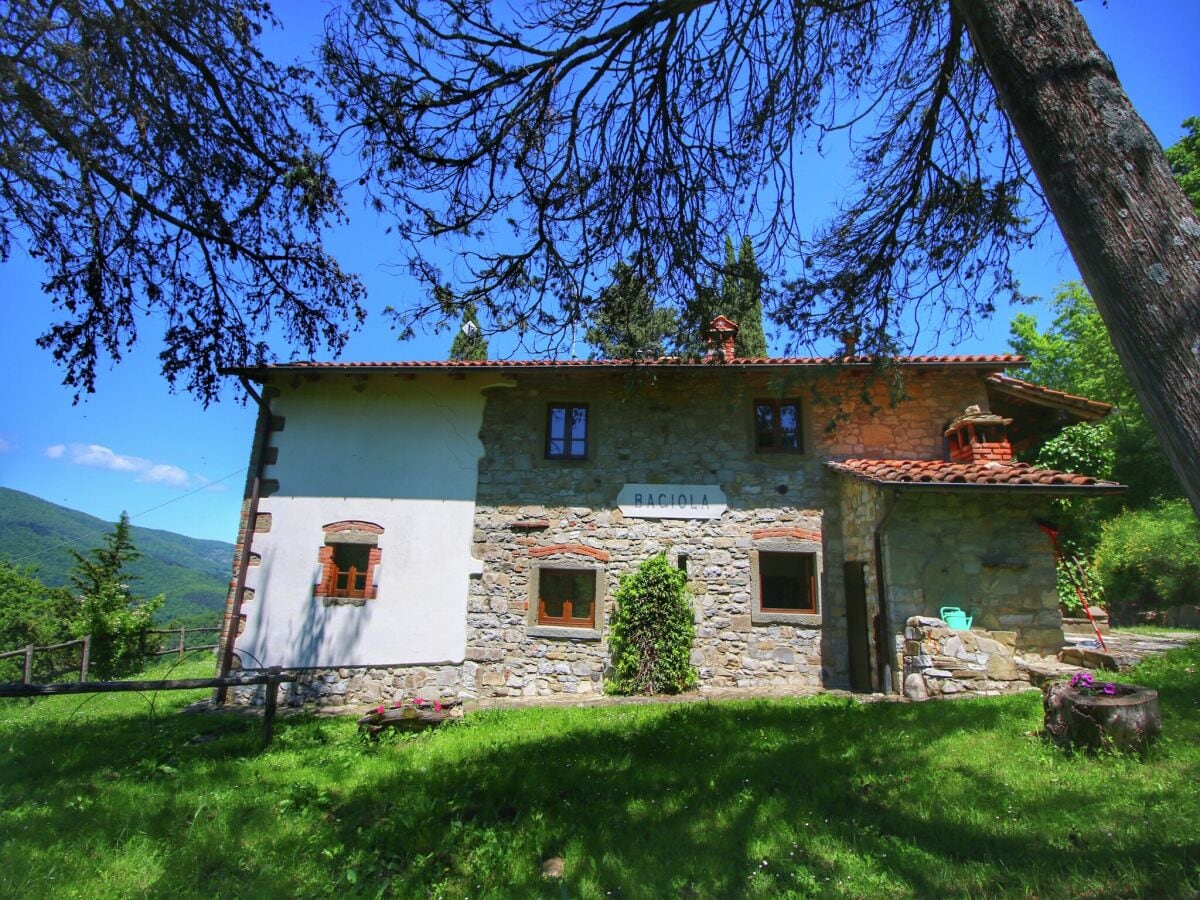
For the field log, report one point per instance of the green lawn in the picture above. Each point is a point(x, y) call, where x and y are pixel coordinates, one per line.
point(814, 797)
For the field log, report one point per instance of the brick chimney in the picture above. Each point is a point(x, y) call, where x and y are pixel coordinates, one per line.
point(719, 338)
point(979, 437)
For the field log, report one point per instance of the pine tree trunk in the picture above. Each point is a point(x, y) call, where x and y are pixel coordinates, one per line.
point(1129, 226)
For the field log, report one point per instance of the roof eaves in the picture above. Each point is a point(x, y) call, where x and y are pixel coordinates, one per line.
point(1035, 393)
point(984, 362)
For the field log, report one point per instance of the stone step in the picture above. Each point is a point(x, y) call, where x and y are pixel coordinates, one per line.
point(1091, 658)
point(1044, 671)
point(1084, 626)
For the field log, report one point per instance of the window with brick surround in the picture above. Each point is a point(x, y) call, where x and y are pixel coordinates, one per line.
point(567, 431)
point(787, 582)
point(777, 426)
point(567, 597)
point(348, 563)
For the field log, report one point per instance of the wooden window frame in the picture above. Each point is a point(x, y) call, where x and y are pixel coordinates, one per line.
point(810, 559)
point(565, 621)
point(332, 577)
point(776, 429)
point(350, 575)
point(568, 409)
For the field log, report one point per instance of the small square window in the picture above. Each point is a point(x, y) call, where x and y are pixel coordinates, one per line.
point(567, 431)
point(787, 582)
point(350, 565)
point(777, 426)
point(567, 597)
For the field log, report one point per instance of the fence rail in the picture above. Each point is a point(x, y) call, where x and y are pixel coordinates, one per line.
point(30, 649)
point(272, 678)
point(181, 647)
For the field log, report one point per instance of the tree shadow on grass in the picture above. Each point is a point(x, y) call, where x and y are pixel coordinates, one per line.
point(824, 797)
point(726, 799)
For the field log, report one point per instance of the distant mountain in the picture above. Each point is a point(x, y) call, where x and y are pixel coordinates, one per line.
point(193, 574)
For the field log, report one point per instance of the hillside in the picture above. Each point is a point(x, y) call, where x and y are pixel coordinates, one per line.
point(193, 574)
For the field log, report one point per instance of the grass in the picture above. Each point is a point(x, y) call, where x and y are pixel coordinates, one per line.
point(822, 797)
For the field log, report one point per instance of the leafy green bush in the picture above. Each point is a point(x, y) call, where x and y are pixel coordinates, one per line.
point(31, 613)
point(652, 631)
point(1152, 556)
point(1068, 599)
point(117, 623)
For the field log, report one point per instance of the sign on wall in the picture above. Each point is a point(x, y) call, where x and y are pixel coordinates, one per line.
point(672, 501)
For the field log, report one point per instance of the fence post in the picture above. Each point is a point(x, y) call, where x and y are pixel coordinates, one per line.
point(182, 638)
point(28, 677)
point(87, 658)
point(269, 710)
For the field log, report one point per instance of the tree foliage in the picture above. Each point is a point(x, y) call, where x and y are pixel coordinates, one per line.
point(1151, 557)
point(109, 610)
point(158, 165)
point(1075, 354)
point(469, 341)
point(601, 133)
point(108, 563)
point(652, 630)
point(1184, 157)
point(626, 321)
point(117, 622)
point(32, 613)
point(742, 297)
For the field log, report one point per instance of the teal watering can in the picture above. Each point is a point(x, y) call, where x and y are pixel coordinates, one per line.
point(956, 618)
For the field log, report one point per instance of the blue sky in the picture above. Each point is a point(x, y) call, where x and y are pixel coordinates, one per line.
point(173, 464)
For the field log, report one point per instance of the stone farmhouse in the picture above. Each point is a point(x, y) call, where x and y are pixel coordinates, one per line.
point(458, 529)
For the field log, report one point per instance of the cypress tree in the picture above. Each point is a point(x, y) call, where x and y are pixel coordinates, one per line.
point(469, 342)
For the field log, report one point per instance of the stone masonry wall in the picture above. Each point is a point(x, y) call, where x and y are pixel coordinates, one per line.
point(676, 427)
point(983, 553)
point(366, 686)
point(939, 661)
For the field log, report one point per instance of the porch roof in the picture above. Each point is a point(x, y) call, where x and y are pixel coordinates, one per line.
point(938, 475)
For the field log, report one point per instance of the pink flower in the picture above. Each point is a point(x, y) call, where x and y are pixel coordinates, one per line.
point(379, 709)
point(437, 706)
point(397, 705)
point(1110, 688)
point(418, 701)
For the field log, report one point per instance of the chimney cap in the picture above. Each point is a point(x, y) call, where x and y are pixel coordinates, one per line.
point(722, 324)
point(976, 416)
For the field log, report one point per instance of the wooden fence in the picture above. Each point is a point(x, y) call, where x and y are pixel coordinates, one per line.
point(272, 678)
point(30, 649)
point(181, 646)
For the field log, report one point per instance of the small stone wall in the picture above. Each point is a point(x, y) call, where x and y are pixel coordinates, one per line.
point(940, 661)
point(365, 686)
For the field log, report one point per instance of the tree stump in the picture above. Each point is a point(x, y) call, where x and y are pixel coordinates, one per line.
point(409, 717)
point(1127, 721)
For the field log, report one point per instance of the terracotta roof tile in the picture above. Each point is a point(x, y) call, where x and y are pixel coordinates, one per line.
point(935, 472)
point(983, 361)
point(1088, 409)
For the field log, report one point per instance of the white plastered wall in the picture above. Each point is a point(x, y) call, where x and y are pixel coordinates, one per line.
point(401, 453)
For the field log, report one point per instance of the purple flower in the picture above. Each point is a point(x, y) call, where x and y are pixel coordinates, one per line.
point(1110, 688)
point(1082, 680)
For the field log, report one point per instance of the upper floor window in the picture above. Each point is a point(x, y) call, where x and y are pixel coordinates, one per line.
point(777, 426)
point(567, 431)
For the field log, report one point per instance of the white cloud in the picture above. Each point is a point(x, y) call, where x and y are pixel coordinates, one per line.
point(97, 456)
point(104, 458)
point(5, 446)
point(165, 474)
